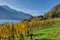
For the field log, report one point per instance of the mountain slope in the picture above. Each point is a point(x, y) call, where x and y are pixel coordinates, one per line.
point(53, 13)
point(11, 14)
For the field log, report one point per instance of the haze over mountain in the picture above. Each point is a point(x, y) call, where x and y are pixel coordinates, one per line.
point(11, 14)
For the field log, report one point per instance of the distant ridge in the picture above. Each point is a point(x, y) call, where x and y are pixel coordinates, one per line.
point(11, 14)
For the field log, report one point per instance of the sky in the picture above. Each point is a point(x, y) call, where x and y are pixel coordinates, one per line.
point(33, 7)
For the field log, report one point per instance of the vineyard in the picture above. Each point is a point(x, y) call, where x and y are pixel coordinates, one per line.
point(31, 30)
point(52, 33)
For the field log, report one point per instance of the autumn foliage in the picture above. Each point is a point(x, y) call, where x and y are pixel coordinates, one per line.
point(19, 30)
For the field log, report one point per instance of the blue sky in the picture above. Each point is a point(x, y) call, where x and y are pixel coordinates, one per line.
point(33, 7)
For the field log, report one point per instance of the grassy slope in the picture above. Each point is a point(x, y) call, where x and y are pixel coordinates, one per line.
point(52, 33)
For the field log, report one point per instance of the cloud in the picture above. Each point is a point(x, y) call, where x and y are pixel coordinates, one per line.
point(3, 2)
point(30, 11)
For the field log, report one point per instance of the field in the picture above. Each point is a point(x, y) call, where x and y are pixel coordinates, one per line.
point(33, 30)
point(52, 33)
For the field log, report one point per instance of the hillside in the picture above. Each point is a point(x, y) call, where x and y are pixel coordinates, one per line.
point(52, 33)
point(33, 30)
point(53, 13)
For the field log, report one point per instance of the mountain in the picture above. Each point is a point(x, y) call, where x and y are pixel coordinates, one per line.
point(11, 14)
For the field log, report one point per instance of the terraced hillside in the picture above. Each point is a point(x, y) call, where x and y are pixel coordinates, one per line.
point(52, 33)
point(33, 30)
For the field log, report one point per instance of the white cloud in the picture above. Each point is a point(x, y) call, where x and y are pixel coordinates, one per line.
point(28, 11)
point(32, 12)
point(3, 2)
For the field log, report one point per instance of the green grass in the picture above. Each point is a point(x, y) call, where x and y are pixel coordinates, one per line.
point(52, 33)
